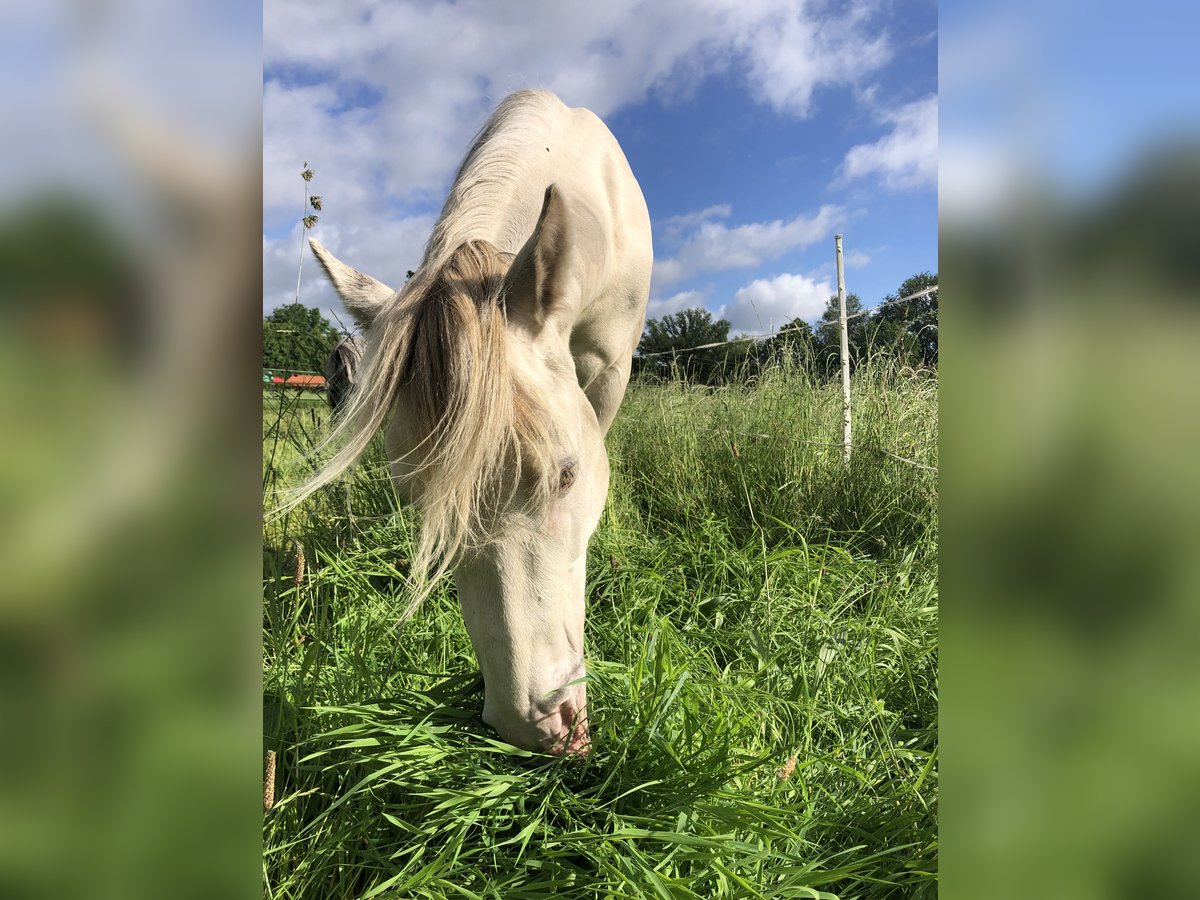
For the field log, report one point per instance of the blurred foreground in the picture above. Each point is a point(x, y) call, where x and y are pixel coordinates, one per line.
point(129, 302)
point(1071, 494)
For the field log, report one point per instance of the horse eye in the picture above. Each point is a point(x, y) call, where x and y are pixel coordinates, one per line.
point(566, 477)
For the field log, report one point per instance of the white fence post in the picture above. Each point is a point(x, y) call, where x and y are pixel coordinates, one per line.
point(841, 284)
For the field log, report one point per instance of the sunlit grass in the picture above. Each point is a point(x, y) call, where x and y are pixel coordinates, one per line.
point(761, 644)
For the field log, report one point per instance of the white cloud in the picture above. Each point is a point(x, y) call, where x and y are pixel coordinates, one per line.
point(767, 304)
point(907, 157)
point(671, 231)
point(686, 220)
point(856, 259)
point(385, 251)
point(405, 86)
point(790, 53)
point(866, 96)
point(656, 309)
point(713, 246)
point(602, 54)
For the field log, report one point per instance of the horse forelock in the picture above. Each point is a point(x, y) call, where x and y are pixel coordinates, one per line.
point(481, 442)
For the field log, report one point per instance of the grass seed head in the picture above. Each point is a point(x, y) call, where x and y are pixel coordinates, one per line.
point(784, 772)
point(298, 577)
point(269, 783)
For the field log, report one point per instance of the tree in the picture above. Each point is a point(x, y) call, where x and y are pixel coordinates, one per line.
point(684, 330)
point(681, 330)
point(828, 334)
point(297, 337)
point(795, 342)
point(911, 327)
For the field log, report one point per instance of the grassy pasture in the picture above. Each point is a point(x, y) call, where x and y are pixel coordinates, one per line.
point(762, 646)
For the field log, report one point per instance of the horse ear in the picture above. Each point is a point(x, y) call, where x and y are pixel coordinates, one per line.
point(537, 279)
point(361, 294)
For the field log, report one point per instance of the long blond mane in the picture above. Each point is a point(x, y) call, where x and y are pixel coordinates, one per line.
point(438, 353)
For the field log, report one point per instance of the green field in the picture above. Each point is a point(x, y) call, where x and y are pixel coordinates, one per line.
point(762, 654)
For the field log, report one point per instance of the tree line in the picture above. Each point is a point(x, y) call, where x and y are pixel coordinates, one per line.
point(298, 337)
point(906, 331)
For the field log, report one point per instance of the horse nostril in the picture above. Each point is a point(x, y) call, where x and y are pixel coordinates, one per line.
point(570, 730)
point(576, 742)
point(581, 743)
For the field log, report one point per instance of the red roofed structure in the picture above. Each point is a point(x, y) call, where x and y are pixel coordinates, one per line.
point(310, 382)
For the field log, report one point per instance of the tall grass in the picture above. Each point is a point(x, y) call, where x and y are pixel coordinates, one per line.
point(761, 640)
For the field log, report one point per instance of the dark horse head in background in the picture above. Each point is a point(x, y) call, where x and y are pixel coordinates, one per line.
point(340, 370)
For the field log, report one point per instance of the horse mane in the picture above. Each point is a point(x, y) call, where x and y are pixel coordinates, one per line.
point(440, 350)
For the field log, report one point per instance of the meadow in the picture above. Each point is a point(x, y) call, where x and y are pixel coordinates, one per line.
point(762, 654)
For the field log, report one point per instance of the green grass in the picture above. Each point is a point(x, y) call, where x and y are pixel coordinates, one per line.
point(750, 601)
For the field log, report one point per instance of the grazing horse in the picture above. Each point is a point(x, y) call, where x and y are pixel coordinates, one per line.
point(501, 364)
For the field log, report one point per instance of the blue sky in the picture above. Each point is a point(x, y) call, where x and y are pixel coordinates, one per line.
point(756, 128)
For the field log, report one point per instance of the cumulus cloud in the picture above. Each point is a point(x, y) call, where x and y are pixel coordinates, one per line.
point(385, 250)
point(789, 53)
point(602, 55)
point(907, 157)
point(713, 246)
point(656, 309)
point(686, 220)
point(382, 99)
point(300, 126)
point(767, 304)
point(672, 230)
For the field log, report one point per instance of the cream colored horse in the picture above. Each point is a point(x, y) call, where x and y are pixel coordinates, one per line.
point(501, 364)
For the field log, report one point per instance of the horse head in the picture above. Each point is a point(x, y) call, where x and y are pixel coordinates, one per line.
point(492, 438)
